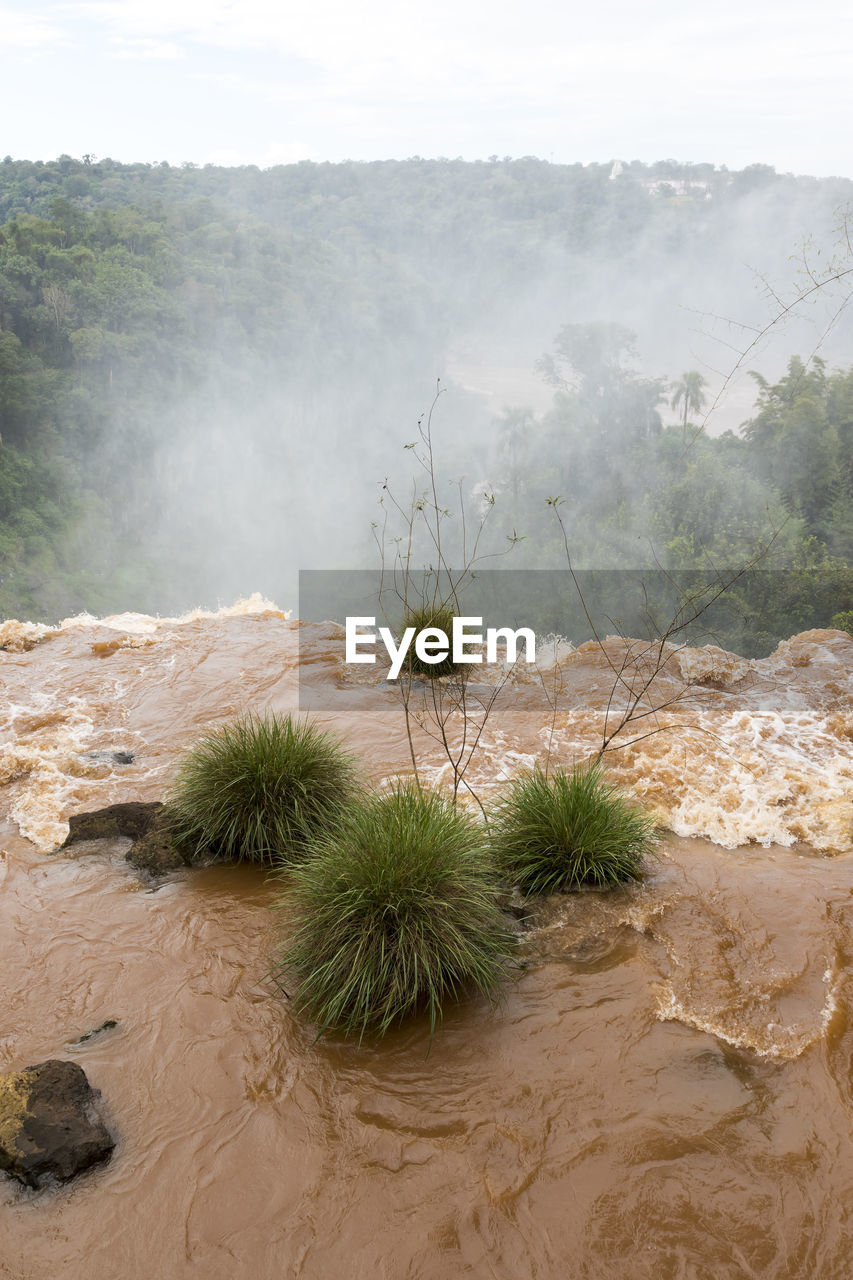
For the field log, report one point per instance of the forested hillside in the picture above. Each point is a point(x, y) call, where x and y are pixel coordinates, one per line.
point(204, 372)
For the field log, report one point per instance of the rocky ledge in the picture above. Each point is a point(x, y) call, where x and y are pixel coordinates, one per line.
point(49, 1123)
point(153, 849)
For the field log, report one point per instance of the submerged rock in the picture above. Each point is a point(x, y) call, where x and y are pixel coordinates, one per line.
point(112, 847)
point(49, 1124)
point(145, 822)
point(517, 909)
point(106, 757)
point(107, 1025)
point(156, 852)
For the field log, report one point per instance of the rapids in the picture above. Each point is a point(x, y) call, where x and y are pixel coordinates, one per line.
point(665, 1091)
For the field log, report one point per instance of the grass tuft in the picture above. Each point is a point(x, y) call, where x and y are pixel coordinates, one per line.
point(393, 912)
point(257, 789)
point(436, 615)
point(557, 833)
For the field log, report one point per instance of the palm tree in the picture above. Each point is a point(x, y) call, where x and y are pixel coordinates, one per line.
point(688, 392)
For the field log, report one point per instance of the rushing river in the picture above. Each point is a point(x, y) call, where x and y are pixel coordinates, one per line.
point(665, 1091)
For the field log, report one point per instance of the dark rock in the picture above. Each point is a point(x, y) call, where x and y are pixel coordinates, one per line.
point(107, 1025)
point(154, 849)
point(49, 1125)
point(156, 852)
point(107, 757)
point(133, 819)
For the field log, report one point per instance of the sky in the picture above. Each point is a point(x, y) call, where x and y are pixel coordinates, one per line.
point(263, 82)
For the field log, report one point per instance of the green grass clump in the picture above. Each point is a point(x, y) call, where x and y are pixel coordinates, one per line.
point(435, 615)
point(258, 788)
point(557, 833)
point(393, 912)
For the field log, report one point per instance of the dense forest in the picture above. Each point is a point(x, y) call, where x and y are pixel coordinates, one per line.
point(204, 372)
point(675, 500)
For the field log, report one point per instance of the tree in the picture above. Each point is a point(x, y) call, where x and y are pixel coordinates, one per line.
point(593, 365)
point(689, 394)
point(800, 440)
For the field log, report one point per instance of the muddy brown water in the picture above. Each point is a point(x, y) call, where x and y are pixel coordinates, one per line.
point(665, 1091)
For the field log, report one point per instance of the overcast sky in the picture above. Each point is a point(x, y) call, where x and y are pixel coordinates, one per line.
point(264, 82)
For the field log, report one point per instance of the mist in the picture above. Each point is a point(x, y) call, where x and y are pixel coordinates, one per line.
point(308, 314)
